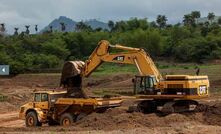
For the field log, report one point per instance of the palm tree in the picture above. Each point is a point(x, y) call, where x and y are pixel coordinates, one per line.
point(62, 26)
point(51, 29)
point(81, 26)
point(211, 16)
point(219, 21)
point(196, 15)
point(36, 28)
point(161, 21)
point(110, 24)
point(27, 29)
point(16, 31)
point(188, 19)
point(2, 29)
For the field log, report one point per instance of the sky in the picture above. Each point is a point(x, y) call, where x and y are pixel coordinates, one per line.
point(17, 13)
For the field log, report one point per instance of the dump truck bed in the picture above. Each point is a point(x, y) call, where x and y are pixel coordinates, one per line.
point(95, 102)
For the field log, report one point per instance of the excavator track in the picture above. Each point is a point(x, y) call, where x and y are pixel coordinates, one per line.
point(165, 106)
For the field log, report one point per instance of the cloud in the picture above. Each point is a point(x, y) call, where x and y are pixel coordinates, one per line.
point(42, 12)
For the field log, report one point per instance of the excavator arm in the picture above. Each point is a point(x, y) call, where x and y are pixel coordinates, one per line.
point(135, 56)
point(73, 71)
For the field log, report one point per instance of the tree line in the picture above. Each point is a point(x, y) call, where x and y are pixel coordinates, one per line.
point(190, 41)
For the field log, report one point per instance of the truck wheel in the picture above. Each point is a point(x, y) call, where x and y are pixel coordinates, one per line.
point(31, 120)
point(67, 119)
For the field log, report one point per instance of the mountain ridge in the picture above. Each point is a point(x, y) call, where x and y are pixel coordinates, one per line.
point(71, 24)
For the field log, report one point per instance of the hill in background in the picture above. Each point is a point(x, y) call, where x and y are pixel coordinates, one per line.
point(71, 24)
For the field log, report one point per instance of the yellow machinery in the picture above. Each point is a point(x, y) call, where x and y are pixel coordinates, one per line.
point(53, 108)
point(172, 93)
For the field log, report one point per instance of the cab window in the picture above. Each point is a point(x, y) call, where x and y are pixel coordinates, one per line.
point(37, 97)
point(44, 97)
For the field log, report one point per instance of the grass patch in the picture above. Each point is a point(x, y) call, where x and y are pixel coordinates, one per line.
point(111, 68)
point(113, 91)
point(104, 93)
point(3, 98)
point(165, 68)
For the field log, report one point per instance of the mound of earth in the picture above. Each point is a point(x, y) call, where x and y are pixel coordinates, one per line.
point(118, 118)
point(212, 115)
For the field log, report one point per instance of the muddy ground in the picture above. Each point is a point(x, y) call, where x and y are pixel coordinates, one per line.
point(18, 91)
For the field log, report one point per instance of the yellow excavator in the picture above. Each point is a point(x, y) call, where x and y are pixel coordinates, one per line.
point(171, 93)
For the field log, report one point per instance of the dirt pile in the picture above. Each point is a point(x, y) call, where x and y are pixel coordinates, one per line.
point(212, 115)
point(118, 118)
point(31, 81)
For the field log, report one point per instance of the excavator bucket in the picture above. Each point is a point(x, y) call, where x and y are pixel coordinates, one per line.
point(71, 69)
point(71, 78)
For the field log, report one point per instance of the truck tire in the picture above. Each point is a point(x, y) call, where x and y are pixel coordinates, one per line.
point(31, 120)
point(67, 119)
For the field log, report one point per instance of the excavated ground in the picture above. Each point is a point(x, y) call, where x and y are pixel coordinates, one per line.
point(117, 120)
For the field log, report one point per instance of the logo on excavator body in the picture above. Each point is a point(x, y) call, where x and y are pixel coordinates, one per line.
point(202, 90)
point(119, 58)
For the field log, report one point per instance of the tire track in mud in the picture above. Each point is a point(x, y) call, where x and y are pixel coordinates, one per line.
point(10, 120)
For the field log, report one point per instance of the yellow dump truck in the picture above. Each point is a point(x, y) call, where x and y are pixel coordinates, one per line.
point(50, 107)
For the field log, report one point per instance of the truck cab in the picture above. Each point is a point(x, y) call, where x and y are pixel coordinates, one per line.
point(35, 112)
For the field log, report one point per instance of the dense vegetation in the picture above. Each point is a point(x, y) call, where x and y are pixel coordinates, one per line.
point(187, 42)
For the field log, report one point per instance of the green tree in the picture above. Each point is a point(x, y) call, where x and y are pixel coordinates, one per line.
point(133, 23)
point(143, 24)
point(219, 20)
point(204, 31)
point(120, 26)
point(188, 20)
point(161, 21)
point(196, 15)
point(153, 24)
point(81, 26)
point(110, 24)
point(98, 29)
point(211, 16)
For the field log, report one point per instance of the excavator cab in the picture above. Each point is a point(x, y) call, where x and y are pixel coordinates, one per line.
point(144, 85)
